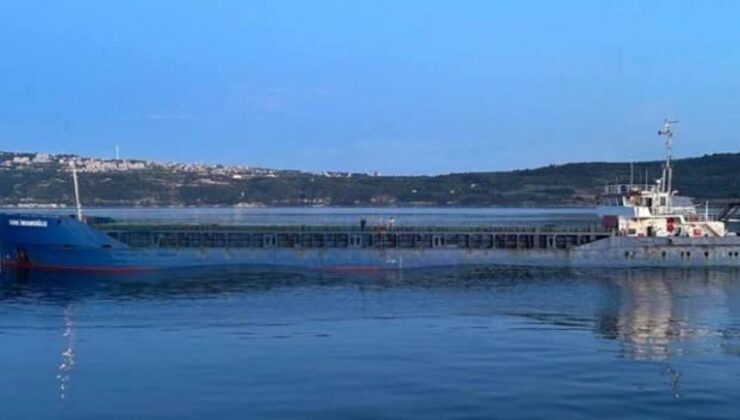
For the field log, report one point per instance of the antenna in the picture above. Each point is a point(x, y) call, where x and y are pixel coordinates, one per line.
point(78, 206)
point(646, 178)
point(706, 210)
point(632, 163)
point(666, 183)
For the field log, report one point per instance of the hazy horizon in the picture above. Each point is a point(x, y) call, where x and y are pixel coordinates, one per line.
point(417, 87)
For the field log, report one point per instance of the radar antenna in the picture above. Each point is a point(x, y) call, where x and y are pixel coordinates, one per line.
point(667, 180)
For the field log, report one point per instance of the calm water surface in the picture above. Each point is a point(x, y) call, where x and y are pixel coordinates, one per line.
point(444, 343)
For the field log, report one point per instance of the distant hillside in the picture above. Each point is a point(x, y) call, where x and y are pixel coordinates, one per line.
point(31, 179)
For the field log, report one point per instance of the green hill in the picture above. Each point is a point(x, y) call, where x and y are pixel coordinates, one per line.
point(713, 177)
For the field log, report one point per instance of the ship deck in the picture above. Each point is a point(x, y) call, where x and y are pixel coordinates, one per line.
point(148, 235)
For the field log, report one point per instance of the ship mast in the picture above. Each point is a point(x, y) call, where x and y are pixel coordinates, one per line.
point(667, 180)
point(78, 205)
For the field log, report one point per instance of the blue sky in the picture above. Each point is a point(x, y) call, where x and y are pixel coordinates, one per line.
point(392, 86)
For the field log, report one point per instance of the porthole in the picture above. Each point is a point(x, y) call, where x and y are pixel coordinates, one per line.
point(706, 254)
point(663, 254)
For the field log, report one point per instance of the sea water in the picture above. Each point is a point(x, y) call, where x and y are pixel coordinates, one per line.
point(454, 343)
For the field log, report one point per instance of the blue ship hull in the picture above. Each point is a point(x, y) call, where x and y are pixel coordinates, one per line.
point(64, 243)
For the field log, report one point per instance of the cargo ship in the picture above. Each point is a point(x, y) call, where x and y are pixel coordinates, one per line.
point(642, 226)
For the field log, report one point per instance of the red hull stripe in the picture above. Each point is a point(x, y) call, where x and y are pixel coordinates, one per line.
point(89, 269)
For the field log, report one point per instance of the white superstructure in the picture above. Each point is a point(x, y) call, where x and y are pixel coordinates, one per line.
point(656, 210)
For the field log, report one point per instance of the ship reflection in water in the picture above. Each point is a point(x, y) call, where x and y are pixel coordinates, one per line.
point(68, 354)
point(661, 307)
point(268, 341)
